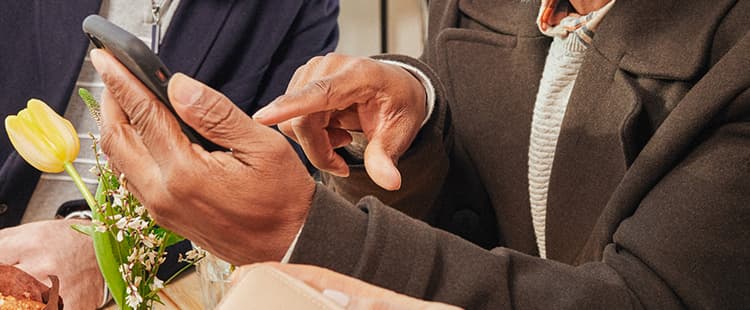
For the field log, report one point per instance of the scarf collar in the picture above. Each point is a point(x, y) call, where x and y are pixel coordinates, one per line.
point(557, 19)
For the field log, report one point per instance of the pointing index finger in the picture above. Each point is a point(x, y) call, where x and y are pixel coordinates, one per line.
point(337, 92)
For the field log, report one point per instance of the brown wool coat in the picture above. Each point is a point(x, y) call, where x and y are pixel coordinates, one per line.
point(649, 199)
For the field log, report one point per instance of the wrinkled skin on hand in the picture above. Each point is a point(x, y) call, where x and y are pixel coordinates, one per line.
point(244, 206)
point(334, 94)
point(53, 248)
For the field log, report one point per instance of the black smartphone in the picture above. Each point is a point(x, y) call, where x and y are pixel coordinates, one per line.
point(142, 62)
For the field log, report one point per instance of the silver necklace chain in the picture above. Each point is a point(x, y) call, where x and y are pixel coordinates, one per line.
point(156, 11)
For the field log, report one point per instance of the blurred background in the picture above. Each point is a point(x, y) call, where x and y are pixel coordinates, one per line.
point(362, 23)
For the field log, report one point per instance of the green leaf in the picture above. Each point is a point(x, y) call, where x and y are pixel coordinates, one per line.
point(104, 247)
point(171, 239)
point(157, 299)
point(87, 230)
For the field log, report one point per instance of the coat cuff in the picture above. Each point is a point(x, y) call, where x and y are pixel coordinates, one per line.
point(429, 88)
point(333, 234)
point(369, 241)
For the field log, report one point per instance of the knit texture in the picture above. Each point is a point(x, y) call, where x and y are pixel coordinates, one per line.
point(559, 75)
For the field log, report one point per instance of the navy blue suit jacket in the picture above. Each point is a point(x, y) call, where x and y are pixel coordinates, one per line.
point(247, 49)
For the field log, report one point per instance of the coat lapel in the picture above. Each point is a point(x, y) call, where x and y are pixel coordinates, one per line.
point(616, 106)
point(590, 156)
point(493, 56)
point(198, 23)
point(596, 142)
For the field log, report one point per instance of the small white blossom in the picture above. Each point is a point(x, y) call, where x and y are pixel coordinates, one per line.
point(192, 256)
point(133, 300)
point(157, 285)
point(99, 226)
point(151, 241)
point(140, 210)
point(122, 223)
point(136, 224)
point(134, 256)
point(148, 259)
point(117, 200)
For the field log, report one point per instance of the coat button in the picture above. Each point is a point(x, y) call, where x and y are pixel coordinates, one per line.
point(3, 208)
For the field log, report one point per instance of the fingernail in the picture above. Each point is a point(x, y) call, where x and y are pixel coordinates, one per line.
point(343, 171)
point(337, 297)
point(186, 90)
point(262, 112)
point(340, 170)
point(97, 60)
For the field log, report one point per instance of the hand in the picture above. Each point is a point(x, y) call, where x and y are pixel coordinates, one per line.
point(333, 94)
point(53, 248)
point(348, 292)
point(244, 206)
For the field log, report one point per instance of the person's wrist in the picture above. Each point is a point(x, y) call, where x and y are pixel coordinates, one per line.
point(307, 193)
point(84, 218)
point(271, 240)
point(423, 84)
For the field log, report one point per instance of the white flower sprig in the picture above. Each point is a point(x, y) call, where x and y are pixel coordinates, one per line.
point(138, 243)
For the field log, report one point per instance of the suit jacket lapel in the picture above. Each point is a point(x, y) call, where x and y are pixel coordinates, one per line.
point(192, 32)
point(61, 47)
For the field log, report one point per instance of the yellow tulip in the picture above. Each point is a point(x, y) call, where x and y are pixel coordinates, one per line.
point(42, 137)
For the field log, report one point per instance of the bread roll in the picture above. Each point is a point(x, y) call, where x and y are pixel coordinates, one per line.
point(21, 291)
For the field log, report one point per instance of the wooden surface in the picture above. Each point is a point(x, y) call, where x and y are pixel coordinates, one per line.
point(183, 293)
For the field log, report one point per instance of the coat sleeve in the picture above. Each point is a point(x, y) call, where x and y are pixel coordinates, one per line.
point(683, 244)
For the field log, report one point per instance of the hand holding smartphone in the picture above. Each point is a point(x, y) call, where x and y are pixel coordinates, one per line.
point(142, 62)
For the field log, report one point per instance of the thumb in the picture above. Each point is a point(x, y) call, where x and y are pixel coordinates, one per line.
point(380, 162)
point(210, 113)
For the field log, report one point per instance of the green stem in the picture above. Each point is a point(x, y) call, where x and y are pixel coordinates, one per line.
point(178, 273)
point(81, 186)
point(104, 244)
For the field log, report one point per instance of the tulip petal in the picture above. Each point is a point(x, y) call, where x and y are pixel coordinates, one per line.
point(75, 146)
point(59, 132)
point(35, 135)
point(29, 146)
point(42, 137)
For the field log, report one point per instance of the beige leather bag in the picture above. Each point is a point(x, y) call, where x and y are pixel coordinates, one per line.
point(264, 287)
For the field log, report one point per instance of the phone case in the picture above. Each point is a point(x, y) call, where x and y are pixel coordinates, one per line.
point(142, 62)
